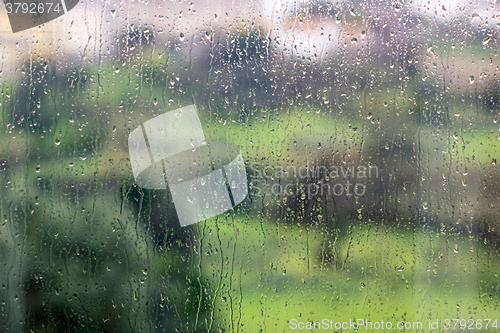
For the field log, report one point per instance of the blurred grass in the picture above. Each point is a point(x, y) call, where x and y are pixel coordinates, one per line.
point(266, 274)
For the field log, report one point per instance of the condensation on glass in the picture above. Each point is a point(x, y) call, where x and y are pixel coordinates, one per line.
point(338, 161)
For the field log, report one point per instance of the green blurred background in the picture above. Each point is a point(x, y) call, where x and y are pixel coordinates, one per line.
point(410, 88)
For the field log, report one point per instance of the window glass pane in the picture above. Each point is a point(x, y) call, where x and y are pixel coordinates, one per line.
point(246, 166)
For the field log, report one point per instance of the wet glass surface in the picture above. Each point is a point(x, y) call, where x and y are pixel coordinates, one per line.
point(262, 166)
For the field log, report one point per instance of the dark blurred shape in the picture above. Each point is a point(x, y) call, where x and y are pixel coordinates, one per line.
point(4, 164)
